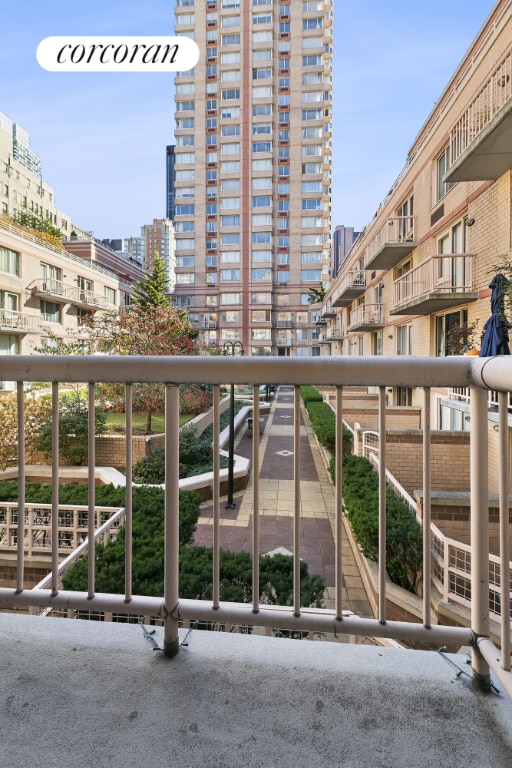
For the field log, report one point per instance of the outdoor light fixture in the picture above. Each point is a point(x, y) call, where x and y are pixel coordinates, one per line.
point(470, 222)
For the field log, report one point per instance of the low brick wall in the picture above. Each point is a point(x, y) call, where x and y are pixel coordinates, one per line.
point(449, 459)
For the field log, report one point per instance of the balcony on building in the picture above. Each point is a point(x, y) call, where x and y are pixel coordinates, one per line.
point(350, 288)
point(49, 288)
point(13, 321)
point(366, 317)
point(481, 139)
point(393, 242)
point(335, 333)
point(209, 325)
point(286, 323)
point(328, 311)
point(439, 283)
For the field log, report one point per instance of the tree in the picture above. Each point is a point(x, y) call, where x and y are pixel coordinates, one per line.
point(154, 291)
point(37, 410)
point(155, 330)
point(317, 295)
point(73, 429)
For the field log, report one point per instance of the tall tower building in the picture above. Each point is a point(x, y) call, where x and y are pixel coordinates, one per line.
point(253, 171)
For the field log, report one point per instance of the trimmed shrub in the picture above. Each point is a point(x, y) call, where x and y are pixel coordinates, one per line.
point(310, 395)
point(404, 547)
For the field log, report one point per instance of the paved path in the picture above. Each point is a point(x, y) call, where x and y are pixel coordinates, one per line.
point(276, 505)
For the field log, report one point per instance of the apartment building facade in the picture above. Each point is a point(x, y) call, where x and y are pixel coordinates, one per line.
point(253, 171)
point(423, 266)
point(46, 292)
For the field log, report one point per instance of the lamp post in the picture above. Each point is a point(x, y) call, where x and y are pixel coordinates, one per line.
point(231, 348)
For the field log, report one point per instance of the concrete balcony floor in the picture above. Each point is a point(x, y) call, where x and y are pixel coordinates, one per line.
point(77, 693)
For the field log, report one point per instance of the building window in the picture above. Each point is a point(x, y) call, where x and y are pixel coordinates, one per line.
point(110, 295)
point(232, 238)
point(442, 165)
point(230, 274)
point(283, 276)
point(230, 298)
point(261, 298)
point(445, 324)
point(50, 311)
point(377, 337)
point(404, 396)
point(185, 278)
point(262, 256)
point(185, 261)
point(404, 340)
point(230, 316)
point(9, 261)
point(261, 274)
point(230, 221)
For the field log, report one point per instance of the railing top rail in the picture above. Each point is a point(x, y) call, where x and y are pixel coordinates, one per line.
point(486, 373)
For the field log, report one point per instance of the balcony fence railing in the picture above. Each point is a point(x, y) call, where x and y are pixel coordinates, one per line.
point(366, 314)
point(395, 230)
point(439, 274)
point(73, 526)
point(463, 394)
point(451, 559)
point(20, 321)
point(480, 374)
point(70, 293)
point(495, 93)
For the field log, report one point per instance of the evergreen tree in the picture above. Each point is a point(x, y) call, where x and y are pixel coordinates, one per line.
point(154, 291)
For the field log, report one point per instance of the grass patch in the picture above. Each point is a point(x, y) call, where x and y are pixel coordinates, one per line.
point(116, 423)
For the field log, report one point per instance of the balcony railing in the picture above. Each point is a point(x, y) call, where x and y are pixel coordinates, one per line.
point(480, 139)
point(336, 333)
point(393, 242)
point(479, 374)
point(366, 317)
point(352, 286)
point(19, 322)
point(438, 283)
point(72, 294)
point(73, 522)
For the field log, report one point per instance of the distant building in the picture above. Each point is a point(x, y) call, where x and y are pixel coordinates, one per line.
point(343, 240)
point(169, 182)
point(253, 172)
point(21, 184)
point(158, 237)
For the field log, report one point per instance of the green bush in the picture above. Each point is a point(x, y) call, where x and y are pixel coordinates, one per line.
point(404, 547)
point(147, 546)
point(73, 429)
point(310, 395)
point(196, 454)
point(323, 421)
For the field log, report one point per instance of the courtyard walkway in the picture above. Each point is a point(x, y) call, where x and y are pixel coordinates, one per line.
point(276, 505)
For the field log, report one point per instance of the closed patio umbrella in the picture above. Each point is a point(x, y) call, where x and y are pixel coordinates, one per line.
point(495, 338)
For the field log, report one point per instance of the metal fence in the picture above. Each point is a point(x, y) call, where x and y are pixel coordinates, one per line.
point(477, 373)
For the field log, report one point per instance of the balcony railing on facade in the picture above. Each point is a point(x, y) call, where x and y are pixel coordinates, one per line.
point(335, 333)
point(20, 322)
point(288, 323)
point(328, 311)
point(481, 139)
point(477, 373)
point(394, 241)
point(13, 229)
point(441, 282)
point(366, 317)
point(73, 526)
point(350, 288)
point(69, 294)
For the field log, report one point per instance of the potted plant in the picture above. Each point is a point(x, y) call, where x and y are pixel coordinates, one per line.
point(460, 339)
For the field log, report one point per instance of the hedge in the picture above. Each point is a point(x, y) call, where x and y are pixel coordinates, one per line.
point(404, 547)
point(323, 421)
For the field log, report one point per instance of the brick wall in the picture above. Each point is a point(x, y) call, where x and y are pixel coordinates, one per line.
point(449, 459)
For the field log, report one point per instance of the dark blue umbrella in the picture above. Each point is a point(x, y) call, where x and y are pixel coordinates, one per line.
point(495, 338)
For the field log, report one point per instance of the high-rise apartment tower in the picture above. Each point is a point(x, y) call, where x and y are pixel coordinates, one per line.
point(253, 171)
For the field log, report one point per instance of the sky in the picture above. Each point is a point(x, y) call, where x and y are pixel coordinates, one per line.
point(101, 137)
